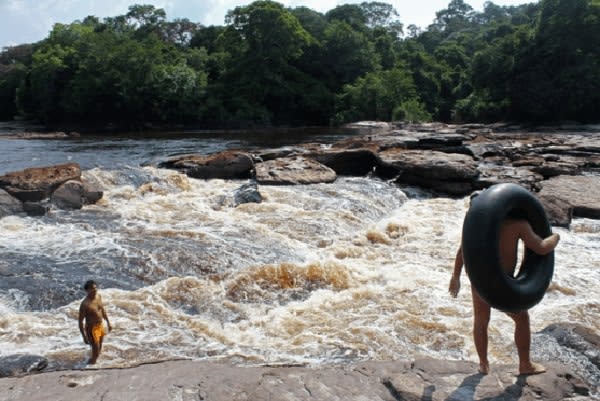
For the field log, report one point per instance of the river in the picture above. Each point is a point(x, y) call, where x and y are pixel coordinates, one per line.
point(315, 274)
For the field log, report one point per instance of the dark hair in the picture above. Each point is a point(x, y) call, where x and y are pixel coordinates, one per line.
point(88, 284)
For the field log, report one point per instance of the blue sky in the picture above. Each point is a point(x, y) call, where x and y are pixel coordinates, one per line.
point(24, 21)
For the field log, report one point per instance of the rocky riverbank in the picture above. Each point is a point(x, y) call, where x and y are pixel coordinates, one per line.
point(560, 164)
point(424, 379)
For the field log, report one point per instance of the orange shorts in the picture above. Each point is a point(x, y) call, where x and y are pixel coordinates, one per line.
point(96, 333)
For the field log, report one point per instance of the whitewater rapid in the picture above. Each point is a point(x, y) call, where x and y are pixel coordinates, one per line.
point(315, 274)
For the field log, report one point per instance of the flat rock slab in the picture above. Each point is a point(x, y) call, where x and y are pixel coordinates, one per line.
point(431, 164)
point(582, 192)
point(293, 170)
point(426, 379)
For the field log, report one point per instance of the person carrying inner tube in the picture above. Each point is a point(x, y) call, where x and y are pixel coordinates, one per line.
point(510, 232)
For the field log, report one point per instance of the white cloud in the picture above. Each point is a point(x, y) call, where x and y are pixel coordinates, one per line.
point(23, 21)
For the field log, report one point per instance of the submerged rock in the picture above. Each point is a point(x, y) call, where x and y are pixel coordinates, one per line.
point(247, 193)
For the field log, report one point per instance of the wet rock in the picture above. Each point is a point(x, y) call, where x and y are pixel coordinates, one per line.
point(247, 193)
point(9, 205)
point(431, 164)
point(550, 169)
point(293, 170)
point(36, 184)
point(578, 338)
point(74, 195)
point(425, 379)
point(444, 172)
point(491, 174)
point(35, 209)
point(69, 195)
point(19, 365)
point(225, 165)
point(559, 211)
point(353, 162)
point(582, 192)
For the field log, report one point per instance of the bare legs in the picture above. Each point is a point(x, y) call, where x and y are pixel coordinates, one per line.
point(523, 342)
point(481, 312)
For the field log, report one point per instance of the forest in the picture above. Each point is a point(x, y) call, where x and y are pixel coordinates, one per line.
point(270, 65)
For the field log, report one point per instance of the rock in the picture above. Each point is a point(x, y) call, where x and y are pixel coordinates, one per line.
point(293, 170)
point(35, 209)
point(225, 165)
point(491, 174)
point(559, 211)
point(19, 365)
point(381, 125)
point(550, 169)
point(431, 164)
point(43, 135)
point(247, 193)
point(444, 172)
point(354, 162)
point(577, 338)
point(35, 184)
point(424, 379)
point(582, 192)
point(9, 205)
point(69, 195)
point(74, 195)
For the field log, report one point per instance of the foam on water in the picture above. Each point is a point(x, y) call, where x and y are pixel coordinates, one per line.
point(314, 274)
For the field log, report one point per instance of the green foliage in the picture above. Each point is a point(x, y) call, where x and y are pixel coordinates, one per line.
point(382, 95)
point(275, 65)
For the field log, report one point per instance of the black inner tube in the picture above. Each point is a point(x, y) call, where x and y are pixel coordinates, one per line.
point(481, 251)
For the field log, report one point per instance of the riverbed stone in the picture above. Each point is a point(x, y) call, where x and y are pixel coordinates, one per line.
point(9, 205)
point(21, 364)
point(558, 210)
point(450, 173)
point(352, 162)
point(293, 170)
point(37, 183)
point(228, 164)
point(421, 379)
point(582, 192)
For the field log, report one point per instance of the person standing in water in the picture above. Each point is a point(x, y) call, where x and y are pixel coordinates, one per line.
point(510, 232)
point(92, 311)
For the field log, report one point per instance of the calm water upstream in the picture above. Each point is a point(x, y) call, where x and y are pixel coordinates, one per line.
point(315, 274)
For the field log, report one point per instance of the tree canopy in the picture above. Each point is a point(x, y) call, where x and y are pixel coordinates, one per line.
point(274, 65)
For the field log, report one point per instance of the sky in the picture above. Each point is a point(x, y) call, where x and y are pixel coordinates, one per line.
point(26, 21)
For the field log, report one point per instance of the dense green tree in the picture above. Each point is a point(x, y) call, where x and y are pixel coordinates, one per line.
point(274, 65)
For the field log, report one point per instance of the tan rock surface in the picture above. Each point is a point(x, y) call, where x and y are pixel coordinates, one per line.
point(426, 379)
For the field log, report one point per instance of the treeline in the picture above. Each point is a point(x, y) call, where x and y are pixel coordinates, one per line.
point(272, 65)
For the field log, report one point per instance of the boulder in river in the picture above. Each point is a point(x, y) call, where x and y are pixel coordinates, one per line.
point(74, 195)
point(228, 164)
point(37, 183)
point(582, 192)
point(9, 205)
point(293, 170)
